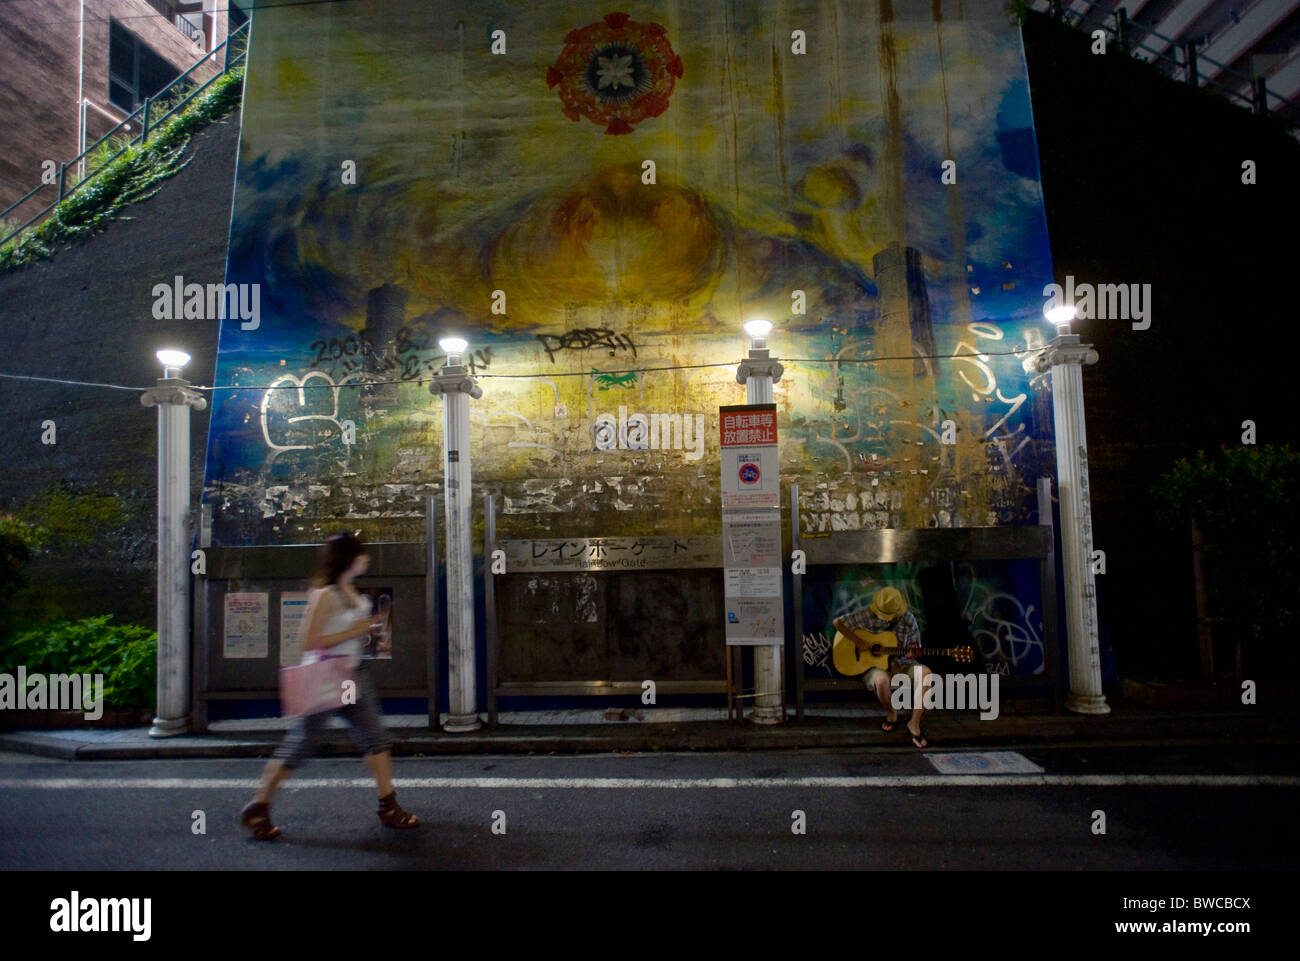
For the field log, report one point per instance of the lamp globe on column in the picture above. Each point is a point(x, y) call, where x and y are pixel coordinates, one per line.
point(1060, 316)
point(453, 347)
point(172, 361)
point(758, 329)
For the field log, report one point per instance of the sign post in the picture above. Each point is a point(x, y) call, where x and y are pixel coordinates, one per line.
point(751, 546)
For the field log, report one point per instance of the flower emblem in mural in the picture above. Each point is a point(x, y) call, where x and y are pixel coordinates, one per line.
point(615, 72)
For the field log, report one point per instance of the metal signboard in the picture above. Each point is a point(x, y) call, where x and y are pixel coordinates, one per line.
point(609, 553)
point(751, 525)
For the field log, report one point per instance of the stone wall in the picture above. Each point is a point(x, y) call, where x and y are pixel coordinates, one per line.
point(86, 314)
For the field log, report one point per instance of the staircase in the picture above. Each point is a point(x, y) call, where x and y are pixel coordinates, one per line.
point(146, 119)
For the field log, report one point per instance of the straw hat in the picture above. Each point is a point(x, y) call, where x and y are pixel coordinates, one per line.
point(888, 604)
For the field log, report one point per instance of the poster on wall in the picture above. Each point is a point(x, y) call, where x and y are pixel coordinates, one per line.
point(293, 606)
point(378, 644)
point(245, 625)
point(751, 525)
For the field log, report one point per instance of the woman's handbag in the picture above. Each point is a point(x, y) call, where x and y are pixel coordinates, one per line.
point(315, 685)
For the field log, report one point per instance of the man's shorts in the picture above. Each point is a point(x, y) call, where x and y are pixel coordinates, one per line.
point(897, 665)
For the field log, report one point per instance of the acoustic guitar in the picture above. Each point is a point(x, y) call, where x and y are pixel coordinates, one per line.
point(851, 661)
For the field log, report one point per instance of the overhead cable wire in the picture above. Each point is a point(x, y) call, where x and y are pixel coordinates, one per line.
point(546, 374)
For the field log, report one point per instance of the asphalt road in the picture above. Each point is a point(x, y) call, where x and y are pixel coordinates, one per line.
point(1191, 807)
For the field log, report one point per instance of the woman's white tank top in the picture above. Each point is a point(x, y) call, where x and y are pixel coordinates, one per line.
point(344, 619)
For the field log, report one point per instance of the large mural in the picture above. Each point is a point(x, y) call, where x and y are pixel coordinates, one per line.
point(597, 198)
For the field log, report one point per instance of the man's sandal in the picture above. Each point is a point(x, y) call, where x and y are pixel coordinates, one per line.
point(392, 816)
point(257, 815)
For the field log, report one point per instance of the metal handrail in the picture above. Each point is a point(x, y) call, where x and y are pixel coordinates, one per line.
point(1259, 90)
point(64, 192)
point(184, 26)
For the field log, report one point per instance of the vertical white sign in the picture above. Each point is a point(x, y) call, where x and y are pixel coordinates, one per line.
point(293, 605)
point(751, 526)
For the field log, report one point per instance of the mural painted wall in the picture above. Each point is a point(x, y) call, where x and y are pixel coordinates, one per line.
point(410, 169)
point(993, 607)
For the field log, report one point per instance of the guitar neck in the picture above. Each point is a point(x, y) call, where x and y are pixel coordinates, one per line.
point(924, 651)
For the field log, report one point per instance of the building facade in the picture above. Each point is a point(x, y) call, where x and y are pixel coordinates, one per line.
point(598, 202)
point(72, 70)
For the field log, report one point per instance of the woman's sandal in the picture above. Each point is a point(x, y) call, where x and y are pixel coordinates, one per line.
point(257, 815)
point(919, 741)
point(888, 726)
point(392, 816)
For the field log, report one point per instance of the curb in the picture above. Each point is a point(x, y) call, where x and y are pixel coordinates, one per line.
point(687, 736)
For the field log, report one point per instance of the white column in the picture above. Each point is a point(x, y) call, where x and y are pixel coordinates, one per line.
point(173, 398)
point(759, 373)
point(1065, 355)
point(456, 387)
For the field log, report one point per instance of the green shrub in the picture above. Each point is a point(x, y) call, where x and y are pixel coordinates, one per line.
point(126, 654)
point(18, 542)
point(1246, 502)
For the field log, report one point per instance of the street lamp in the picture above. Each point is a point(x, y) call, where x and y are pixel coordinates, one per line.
point(172, 361)
point(453, 347)
point(758, 372)
point(1066, 356)
point(758, 330)
point(173, 396)
point(1060, 316)
point(454, 383)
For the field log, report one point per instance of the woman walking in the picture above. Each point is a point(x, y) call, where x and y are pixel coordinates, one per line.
point(337, 618)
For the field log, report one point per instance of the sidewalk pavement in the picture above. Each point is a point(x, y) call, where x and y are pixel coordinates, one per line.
point(686, 729)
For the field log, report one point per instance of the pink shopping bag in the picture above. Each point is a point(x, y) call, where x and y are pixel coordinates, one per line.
point(314, 686)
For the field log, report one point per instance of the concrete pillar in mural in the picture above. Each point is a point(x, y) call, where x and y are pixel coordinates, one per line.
point(893, 335)
point(905, 325)
point(918, 304)
point(385, 314)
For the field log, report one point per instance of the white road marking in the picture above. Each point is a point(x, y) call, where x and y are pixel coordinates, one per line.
point(632, 783)
point(983, 762)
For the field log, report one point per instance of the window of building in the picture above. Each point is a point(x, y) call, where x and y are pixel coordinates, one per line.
point(135, 71)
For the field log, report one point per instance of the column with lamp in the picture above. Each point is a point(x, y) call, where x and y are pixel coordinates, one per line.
point(758, 372)
point(456, 385)
point(173, 396)
point(1065, 356)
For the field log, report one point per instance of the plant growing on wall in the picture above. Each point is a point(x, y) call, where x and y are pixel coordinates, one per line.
point(19, 541)
point(68, 519)
point(137, 174)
